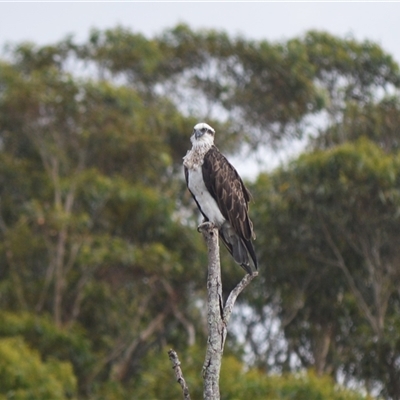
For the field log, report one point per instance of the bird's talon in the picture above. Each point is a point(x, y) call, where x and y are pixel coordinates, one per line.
point(205, 225)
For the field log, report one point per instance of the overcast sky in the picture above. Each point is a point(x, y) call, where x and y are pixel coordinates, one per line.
point(48, 22)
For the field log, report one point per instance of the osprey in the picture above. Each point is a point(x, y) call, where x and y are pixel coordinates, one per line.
point(220, 195)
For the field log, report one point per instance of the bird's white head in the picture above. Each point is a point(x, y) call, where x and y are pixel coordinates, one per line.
point(203, 135)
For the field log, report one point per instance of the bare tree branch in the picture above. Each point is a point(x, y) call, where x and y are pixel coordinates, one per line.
point(178, 314)
point(122, 367)
point(176, 365)
point(362, 304)
point(230, 302)
point(216, 325)
point(218, 315)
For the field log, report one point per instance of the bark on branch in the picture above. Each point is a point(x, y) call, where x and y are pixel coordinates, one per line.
point(218, 314)
point(176, 365)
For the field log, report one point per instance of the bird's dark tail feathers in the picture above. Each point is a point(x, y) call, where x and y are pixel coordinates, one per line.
point(239, 248)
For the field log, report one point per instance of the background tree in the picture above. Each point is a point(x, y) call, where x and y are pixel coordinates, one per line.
point(331, 240)
point(89, 224)
point(99, 254)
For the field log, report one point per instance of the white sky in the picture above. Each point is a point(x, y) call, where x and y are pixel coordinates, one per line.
point(48, 22)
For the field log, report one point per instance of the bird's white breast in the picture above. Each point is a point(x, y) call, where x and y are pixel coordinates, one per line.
point(207, 204)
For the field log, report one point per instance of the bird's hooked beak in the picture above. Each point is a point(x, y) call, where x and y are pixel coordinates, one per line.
point(198, 133)
point(203, 132)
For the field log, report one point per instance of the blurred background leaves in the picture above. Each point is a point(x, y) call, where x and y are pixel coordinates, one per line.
point(102, 269)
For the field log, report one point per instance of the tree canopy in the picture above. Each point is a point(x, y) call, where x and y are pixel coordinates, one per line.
point(101, 264)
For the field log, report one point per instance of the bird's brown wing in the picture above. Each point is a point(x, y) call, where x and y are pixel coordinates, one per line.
point(228, 190)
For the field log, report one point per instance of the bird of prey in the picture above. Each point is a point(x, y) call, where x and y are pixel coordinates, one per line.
point(220, 195)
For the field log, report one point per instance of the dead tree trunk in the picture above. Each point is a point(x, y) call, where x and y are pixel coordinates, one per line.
point(218, 315)
point(217, 326)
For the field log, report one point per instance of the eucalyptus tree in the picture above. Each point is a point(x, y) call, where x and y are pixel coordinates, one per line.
point(95, 227)
point(329, 233)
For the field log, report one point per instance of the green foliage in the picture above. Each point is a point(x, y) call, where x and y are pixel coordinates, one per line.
point(364, 65)
point(69, 346)
point(256, 385)
point(24, 376)
point(331, 232)
point(377, 121)
point(236, 381)
point(101, 262)
point(88, 214)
